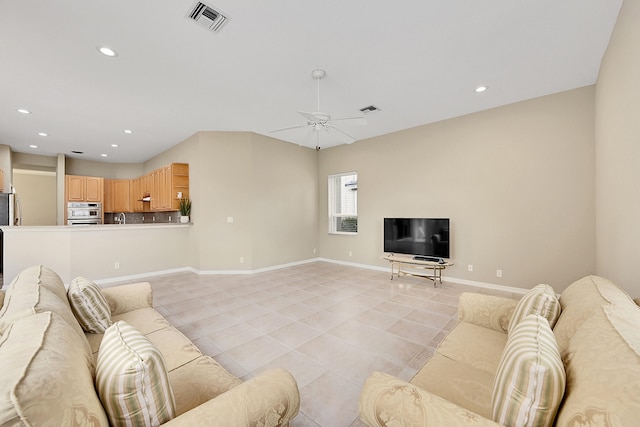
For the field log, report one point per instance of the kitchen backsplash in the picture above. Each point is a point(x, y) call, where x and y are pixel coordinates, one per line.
point(144, 218)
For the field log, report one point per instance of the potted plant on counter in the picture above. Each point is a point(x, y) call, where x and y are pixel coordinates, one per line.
point(185, 210)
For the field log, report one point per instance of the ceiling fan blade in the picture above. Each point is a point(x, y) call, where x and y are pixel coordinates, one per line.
point(359, 120)
point(288, 128)
point(350, 138)
point(309, 116)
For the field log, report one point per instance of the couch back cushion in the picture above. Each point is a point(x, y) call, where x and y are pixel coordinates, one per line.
point(603, 370)
point(579, 300)
point(46, 375)
point(39, 289)
point(530, 380)
point(540, 300)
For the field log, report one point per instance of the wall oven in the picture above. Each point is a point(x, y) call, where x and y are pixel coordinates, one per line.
point(82, 213)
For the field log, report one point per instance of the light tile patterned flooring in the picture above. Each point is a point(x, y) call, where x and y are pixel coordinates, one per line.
point(329, 325)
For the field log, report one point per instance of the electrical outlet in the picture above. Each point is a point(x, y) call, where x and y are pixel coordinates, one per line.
point(229, 219)
point(350, 253)
point(499, 273)
point(470, 267)
point(314, 250)
point(116, 265)
point(241, 260)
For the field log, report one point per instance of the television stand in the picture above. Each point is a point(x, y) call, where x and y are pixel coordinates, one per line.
point(432, 269)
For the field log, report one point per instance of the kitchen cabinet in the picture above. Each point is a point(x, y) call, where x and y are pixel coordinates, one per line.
point(117, 195)
point(107, 206)
point(84, 188)
point(166, 186)
point(161, 189)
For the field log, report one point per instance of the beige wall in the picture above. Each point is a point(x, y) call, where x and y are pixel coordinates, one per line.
point(284, 203)
point(517, 183)
point(37, 193)
point(102, 169)
point(267, 186)
point(618, 153)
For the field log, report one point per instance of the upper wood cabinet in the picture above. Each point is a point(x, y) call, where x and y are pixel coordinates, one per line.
point(84, 188)
point(117, 195)
point(164, 187)
point(159, 190)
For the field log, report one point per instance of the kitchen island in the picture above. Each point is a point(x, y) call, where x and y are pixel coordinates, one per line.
point(104, 253)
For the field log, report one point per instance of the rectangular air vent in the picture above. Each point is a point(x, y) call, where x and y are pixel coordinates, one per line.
point(369, 109)
point(207, 16)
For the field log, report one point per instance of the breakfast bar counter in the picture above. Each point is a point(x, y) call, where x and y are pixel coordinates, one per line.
point(99, 252)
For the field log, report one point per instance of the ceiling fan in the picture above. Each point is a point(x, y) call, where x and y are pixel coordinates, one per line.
point(320, 121)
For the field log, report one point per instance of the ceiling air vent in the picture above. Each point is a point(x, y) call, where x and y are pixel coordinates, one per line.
point(369, 109)
point(207, 16)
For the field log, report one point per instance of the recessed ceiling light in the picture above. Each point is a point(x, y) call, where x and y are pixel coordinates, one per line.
point(481, 89)
point(128, 131)
point(103, 155)
point(107, 51)
point(43, 134)
point(114, 145)
point(33, 146)
point(23, 111)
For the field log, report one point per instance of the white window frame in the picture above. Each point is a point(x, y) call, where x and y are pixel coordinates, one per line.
point(333, 215)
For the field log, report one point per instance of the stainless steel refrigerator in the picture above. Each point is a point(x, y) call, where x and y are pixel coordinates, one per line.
point(10, 212)
point(10, 215)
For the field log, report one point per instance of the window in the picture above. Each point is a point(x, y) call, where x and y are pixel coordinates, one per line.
point(343, 203)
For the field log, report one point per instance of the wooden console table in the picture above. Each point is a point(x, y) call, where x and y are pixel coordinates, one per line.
point(398, 260)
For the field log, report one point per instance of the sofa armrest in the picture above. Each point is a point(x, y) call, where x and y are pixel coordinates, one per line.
point(387, 401)
point(486, 310)
point(270, 399)
point(1, 298)
point(126, 298)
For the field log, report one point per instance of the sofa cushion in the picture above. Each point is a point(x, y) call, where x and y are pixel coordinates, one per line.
point(145, 320)
point(132, 379)
point(540, 300)
point(478, 347)
point(457, 382)
point(35, 290)
point(198, 381)
point(603, 370)
point(88, 305)
point(579, 300)
point(530, 381)
point(46, 375)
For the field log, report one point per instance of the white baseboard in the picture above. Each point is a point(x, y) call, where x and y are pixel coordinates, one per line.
point(477, 284)
point(296, 263)
point(142, 275)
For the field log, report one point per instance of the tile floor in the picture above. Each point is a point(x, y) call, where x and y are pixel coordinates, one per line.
point(329, 325)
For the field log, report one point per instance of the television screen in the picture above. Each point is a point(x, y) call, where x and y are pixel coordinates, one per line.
point(417, 236)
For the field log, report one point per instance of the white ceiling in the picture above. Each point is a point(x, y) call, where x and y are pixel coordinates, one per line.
point(418, 60)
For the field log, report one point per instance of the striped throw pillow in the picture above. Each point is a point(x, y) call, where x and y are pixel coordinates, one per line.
point(132, 379)
point(89, 305)
point(530, 380)
point(540, 300)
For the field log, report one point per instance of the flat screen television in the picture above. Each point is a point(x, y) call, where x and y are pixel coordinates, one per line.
point(424, 237)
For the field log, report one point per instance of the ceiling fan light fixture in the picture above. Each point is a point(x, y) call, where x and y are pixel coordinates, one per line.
point(318, 73)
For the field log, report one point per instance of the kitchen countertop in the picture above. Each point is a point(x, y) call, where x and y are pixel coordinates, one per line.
point(101, 227)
